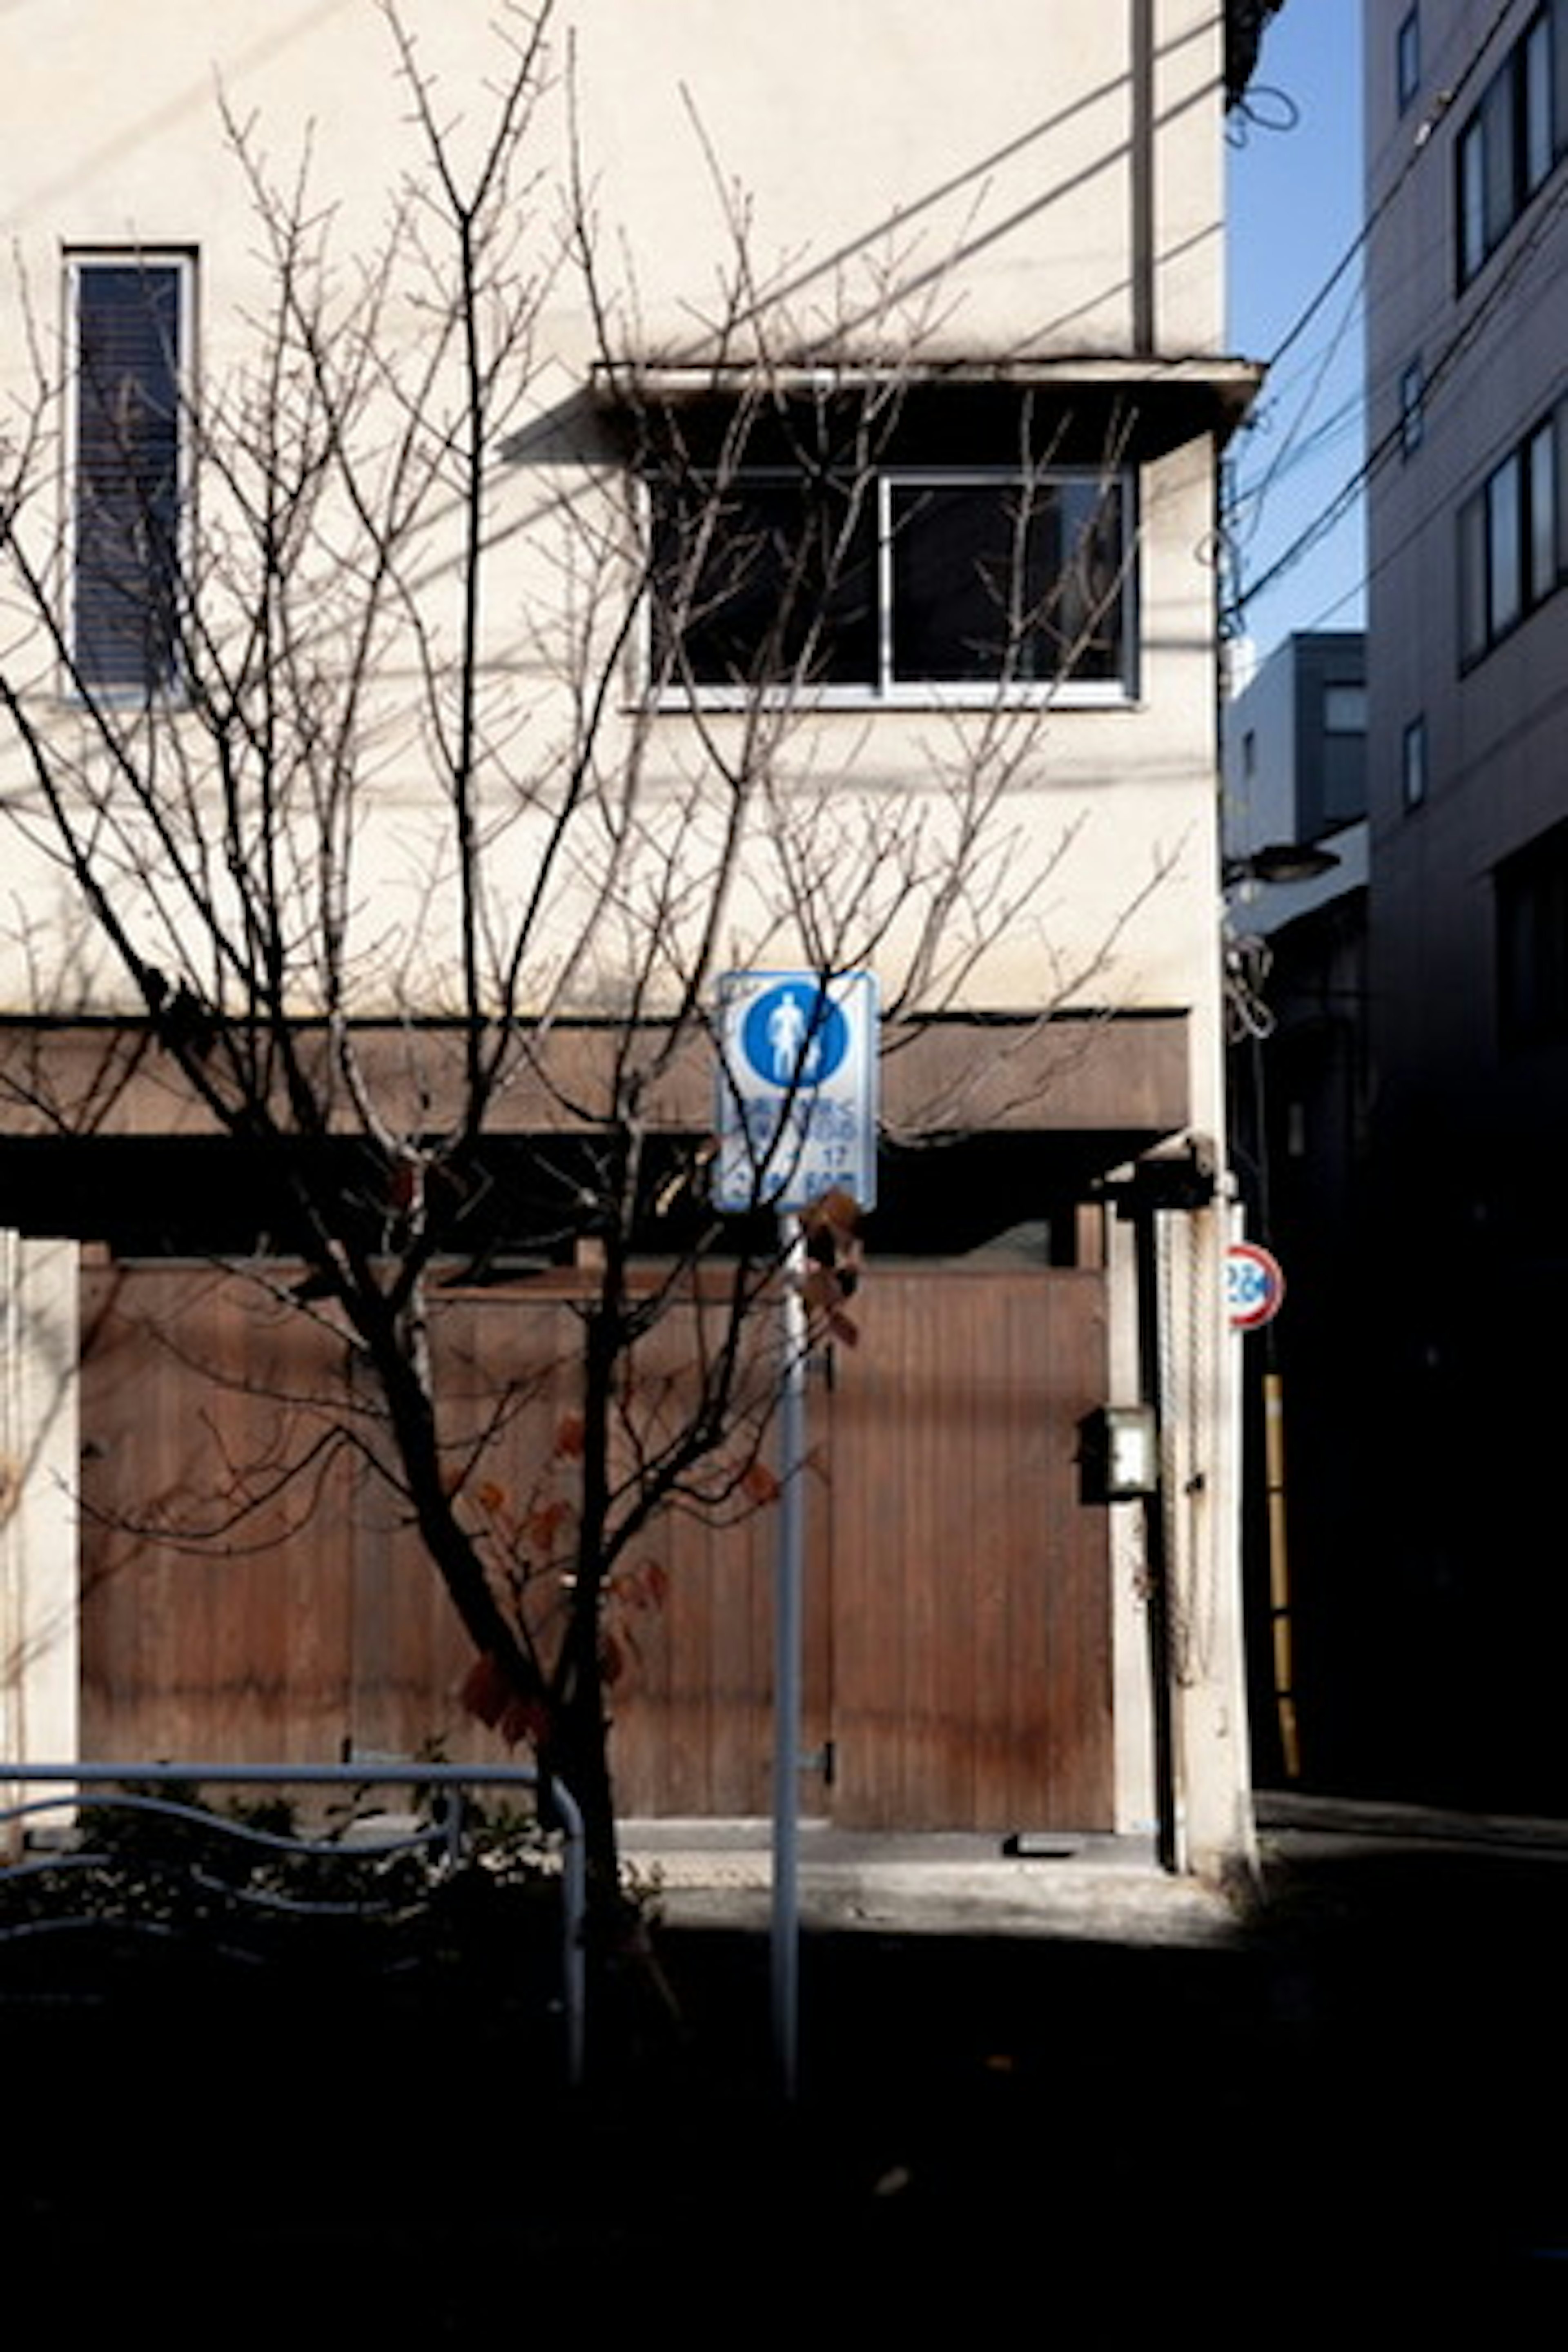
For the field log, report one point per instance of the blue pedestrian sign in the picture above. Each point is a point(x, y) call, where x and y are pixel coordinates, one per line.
point(798, 1088)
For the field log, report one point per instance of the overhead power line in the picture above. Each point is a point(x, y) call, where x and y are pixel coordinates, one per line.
point(1344, 498)
point(1390, 442)
point(1441, 104)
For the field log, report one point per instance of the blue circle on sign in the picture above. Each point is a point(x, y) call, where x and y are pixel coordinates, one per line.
point(794, 1035)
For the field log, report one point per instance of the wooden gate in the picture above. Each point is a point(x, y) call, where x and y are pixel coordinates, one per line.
point(971, 1603)
point(958, 1669)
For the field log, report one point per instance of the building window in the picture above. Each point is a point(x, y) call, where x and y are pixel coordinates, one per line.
point(1512, 540)
point(1505, 540)
point(1541, 504)
point(1412, 408)
point(1344, 710)
point(1537, 128)
point(900, 584)
point(1513, 139)
point(1413, 763)
point(1330, 747)
point(129, 317)
point(1531, 907)
point(1407, 57)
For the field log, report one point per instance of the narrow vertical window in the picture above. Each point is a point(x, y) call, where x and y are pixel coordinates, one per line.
point(1532, 915)
point(1413, 764)
point(130, 322)
point(1539, 138)
point(1471, 170)
point(1472, 569)
point(1412, 408)
point(1505, 593)
point(1499, 163)
point(1540, 457)
point(1407, 57)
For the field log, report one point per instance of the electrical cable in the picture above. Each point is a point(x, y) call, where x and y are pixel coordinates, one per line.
point(1339, 504)
point(1441, 105)
point(1393, 440)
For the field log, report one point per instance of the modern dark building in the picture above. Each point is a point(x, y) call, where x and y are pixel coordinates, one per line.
point(1462, 1278)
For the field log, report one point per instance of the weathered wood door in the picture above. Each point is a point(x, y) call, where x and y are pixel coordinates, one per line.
point(958, 1670)
point(971, 1605)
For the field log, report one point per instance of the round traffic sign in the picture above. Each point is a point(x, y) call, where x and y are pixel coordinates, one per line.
point(794, 1035)
point(1254, 1285)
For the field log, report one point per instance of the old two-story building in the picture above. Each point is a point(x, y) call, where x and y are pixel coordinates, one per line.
point(838, 572)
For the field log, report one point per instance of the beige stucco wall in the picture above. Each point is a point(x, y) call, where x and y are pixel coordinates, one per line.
point(977, 165)
point(910, 178)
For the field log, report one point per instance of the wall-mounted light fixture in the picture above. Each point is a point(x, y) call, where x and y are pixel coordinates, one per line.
point(1280, 861)
point(1119, 1452)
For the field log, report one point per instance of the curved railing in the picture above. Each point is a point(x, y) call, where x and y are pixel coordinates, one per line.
point(442, 1841)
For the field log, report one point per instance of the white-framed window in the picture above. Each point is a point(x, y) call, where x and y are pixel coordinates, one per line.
point(1513, 138)
point(129, 322)
point(1513, 538)
point(900, 584)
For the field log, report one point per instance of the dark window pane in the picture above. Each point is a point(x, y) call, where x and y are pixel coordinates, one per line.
point(1472, 201)
point(1532, 942)
point(1501, 167)
point(1473, 578)
point(1005, 581)
point(764, 583)
point(1539, 134)
point(127, 487)
point(1087, 617)
point(1504, 548)
point(1542, 455)
point(962, 563)
point(1407, 58)
point(1413, 763)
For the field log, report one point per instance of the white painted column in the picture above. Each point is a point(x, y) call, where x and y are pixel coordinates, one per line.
point(1137, 1804)
point(1201, 1470)
point(39, 1463)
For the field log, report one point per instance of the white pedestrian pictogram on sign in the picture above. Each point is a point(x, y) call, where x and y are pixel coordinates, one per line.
point(797, 1110)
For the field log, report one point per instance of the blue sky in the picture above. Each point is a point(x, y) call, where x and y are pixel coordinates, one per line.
point(1294, 199)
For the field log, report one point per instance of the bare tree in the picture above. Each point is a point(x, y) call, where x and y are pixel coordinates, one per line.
point(417, 748)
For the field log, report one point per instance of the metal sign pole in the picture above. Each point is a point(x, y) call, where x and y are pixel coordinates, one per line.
point(797, 1118)
point(788, 1623)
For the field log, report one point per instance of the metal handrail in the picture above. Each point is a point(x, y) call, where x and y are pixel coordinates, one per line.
point(78, 1775)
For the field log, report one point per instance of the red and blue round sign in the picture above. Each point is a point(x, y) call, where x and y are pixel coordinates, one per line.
point(1254, 1285)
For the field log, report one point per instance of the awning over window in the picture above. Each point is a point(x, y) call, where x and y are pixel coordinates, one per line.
point(1164, 401)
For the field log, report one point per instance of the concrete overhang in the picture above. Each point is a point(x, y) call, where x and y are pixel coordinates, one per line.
point(1169, 399)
